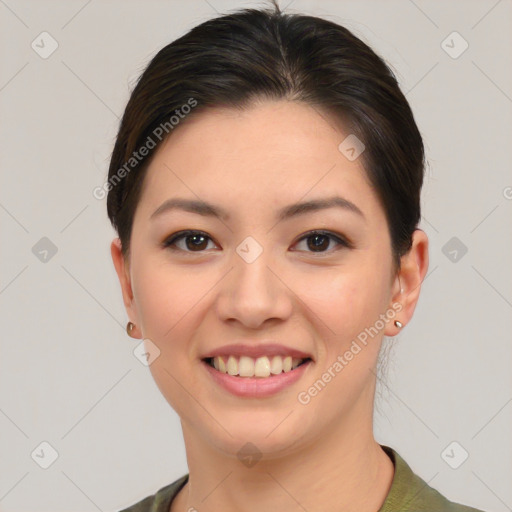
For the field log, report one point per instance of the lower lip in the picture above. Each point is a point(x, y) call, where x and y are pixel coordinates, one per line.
point(256, 387)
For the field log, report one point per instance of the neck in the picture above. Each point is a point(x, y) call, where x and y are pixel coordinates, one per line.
point(344, 470)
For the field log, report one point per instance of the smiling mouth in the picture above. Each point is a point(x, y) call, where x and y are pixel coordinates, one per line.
point(263, 367)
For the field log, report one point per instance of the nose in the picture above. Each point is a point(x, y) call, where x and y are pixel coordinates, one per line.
point(253, 293)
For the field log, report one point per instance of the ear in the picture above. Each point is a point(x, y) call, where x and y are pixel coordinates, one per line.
point(123, 273)
point(413, 268)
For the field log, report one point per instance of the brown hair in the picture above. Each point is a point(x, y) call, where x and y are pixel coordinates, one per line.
point(251, 54)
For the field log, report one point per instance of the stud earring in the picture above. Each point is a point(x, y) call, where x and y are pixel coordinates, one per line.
point(399, 324)
point(129, 328)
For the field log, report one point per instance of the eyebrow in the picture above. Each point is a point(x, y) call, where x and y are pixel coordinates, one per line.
point(209, 210)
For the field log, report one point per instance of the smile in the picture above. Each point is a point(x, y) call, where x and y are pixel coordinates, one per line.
point(243, 381)
point(245, 366)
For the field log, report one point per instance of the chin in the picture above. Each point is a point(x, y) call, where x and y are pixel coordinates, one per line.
point(258, 434)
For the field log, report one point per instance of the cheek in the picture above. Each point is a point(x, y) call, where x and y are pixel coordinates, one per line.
point(164, 295)
point(165, 303)
point(346, 306)
point(343, 300)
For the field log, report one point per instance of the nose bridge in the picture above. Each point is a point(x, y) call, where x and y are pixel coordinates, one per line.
point(252, 275)
point(253, 292)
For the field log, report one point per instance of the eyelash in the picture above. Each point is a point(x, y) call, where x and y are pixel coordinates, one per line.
point(169, 242)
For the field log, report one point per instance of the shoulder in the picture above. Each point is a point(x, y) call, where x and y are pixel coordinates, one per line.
point(161, 500)
point(409, 492)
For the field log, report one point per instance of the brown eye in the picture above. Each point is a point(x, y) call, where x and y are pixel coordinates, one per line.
point(197, 241)
point(319, 241)
point(194, 241)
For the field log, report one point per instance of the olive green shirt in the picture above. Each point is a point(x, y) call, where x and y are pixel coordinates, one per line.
point(408, 493)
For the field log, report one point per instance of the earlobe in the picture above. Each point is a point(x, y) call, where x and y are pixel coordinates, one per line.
point(122, 270)
point(413, 268)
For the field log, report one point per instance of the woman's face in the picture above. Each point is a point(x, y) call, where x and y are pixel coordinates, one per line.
point(256, 278)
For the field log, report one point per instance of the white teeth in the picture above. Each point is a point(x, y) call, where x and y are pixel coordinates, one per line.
point(232, 366)
point(246, 366)
point(277, 365)
point(260, 367)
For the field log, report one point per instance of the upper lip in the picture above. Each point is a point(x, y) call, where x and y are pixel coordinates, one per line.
point(251, 350)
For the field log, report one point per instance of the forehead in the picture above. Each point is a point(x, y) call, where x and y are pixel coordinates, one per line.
point(271, 153)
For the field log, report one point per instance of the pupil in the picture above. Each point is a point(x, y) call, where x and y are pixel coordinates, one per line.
point(196, 237)
point(317, 245)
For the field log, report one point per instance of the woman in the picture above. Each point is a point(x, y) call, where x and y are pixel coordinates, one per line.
point(265, 185)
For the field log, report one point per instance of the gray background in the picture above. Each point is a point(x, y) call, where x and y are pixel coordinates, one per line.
point(68, 375)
